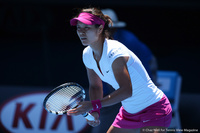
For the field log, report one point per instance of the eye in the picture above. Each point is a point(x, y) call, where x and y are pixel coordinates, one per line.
point(86, 28)
point(78, 28)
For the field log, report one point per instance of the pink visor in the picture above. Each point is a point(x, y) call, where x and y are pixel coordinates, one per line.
point(87, 18)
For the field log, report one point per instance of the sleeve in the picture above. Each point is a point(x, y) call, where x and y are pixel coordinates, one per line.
point(117, 52)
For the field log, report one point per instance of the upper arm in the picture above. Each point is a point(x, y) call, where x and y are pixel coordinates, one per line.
point(121, 73)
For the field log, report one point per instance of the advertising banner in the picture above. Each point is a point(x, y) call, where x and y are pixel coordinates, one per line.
point(24, 113)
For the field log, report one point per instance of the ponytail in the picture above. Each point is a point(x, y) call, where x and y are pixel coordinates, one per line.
point(108, 24)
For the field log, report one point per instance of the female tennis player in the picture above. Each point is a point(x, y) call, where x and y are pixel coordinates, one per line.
point(144, 107)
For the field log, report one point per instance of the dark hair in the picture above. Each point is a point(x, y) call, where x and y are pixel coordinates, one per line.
point(97, 12)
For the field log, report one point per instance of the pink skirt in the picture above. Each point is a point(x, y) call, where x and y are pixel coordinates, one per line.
point(157, 114)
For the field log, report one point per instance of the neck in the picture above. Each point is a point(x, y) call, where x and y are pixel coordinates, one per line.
point(97, 49)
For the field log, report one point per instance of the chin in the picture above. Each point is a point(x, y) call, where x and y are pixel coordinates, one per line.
point(85, 44)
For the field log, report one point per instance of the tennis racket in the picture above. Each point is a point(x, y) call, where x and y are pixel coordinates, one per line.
point(65, 97)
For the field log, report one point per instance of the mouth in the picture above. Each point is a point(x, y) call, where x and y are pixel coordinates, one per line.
point(83, 38)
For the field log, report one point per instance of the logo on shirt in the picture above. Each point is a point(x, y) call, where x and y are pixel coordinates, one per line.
point(111, 54)
point(114, 52)
point(145, 121)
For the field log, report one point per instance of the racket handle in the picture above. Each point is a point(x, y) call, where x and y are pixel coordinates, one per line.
point(88, 116)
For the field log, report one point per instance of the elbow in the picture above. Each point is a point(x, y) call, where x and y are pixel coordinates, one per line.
point(129, 92)
point(125, 91)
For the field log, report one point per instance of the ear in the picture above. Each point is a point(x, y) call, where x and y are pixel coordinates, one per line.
point(100, 29)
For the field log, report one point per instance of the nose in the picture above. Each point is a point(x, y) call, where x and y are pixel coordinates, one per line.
point(81, 31)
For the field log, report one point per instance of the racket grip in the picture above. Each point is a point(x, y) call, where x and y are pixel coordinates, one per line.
point(88, 116)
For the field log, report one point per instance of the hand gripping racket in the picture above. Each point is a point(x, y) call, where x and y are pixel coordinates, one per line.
point(65, 97)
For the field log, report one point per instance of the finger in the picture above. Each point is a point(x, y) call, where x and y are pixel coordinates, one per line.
point(75, 112)
point(72, 112)
point(94, 123)
point(79, 103)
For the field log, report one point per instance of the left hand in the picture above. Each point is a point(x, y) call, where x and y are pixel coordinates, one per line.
point(96, 122)
point(83, 107)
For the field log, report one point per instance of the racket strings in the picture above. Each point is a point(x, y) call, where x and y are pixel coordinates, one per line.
point(64, 99)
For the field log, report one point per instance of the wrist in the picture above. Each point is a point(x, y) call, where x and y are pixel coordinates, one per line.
point(96, 104)
point(97, 111)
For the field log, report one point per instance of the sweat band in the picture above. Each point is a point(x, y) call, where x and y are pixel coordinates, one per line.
point(87, 18)
point(96, 104)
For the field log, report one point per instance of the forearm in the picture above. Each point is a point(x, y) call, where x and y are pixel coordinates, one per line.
point(95, 93)
point(116, 97)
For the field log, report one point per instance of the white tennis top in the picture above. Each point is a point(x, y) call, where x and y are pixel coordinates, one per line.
point(144, 92)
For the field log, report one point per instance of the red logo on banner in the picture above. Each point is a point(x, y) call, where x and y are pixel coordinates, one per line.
point(25, 114)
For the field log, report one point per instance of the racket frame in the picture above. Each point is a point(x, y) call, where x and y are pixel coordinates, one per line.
point(59, 88)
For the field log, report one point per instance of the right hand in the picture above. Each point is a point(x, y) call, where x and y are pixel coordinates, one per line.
point(96, 122)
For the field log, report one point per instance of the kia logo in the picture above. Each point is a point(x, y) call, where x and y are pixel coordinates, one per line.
point(25, 114)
